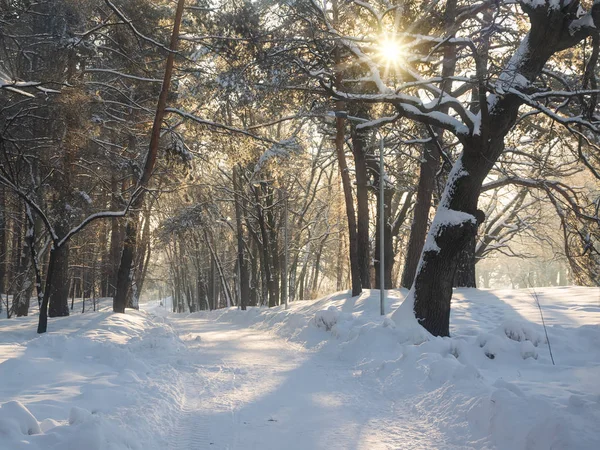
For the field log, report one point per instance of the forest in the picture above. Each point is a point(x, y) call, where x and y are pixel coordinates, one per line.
point(299, 224)
point(239, 164)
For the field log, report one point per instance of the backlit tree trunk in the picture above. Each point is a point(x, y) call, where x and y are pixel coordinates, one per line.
point(127, 256)
point(359, 150)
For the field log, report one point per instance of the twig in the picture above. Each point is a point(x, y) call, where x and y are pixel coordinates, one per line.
point(537, 302)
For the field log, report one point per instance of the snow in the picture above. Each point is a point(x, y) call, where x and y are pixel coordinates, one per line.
point(552, 4)
point(327, 318)
point(445, 217)
point(92, 382)
point(330, 373)
point(283, 150)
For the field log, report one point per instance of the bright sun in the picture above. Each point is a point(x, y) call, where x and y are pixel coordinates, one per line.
point(390, 50)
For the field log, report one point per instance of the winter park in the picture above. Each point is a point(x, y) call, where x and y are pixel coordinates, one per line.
point(299, 224)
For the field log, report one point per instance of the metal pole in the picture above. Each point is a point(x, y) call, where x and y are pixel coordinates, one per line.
point(381, 230)
point(285, 259)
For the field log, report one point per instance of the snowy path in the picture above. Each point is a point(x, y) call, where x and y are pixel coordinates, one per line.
point(276, 379)
point(252, 390)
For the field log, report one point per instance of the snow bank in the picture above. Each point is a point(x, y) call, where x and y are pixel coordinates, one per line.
point(104, 381)
point(96, 381)
point(492, 385)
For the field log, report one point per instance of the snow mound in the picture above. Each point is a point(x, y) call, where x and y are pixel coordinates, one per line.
point(327, 318)
point(16, 419)
point(78, 415)
point(95, 381)
point(491, 385)
point(524, 331)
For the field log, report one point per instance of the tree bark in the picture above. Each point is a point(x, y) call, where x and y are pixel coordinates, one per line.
point(359, 150)
point(420, 223)
point(350, 213)
point(465, 266)
point(124, 273)
point(3, 244)
point(388, 245)
point(116, 242)
point(429, 167)
point(58, 293)
point(266, 251)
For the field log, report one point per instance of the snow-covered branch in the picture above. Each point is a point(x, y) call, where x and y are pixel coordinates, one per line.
point(211, 124)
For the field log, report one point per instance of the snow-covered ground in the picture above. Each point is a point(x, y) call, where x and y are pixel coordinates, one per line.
point(326, 374)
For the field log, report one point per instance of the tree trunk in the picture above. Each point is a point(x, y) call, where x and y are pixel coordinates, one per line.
point(388, 245)
point(266, 253)
point(359, 150)
point(432, 289)
point(273, 245)
point(57, 283)
point(143, 252)
point(465, 266)
point(127, 256)
point(23, 286)
point(116, 243)
point(244, 279)
point(317, 270)
point(43, 319)
point(124, 273)
point(349, 201)
point(339, 269)
point(429, 167)
point(255, 281)
point(3, 243)
point(420, 223)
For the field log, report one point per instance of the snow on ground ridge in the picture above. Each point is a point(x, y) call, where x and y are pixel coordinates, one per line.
point(495, 370)
point(90, 383)
point(139, 380)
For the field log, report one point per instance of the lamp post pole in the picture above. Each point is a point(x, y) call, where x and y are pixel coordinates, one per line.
point(381, 229)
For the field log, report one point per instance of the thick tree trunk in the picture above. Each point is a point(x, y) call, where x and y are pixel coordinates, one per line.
point(388, 245)
point(465, 266)
point(429, 167)
point(420, 223)
point(359, 150)
point(350, 214)
point(449, 235)
point(3, 244)
point(58, 282)
point(124, 273)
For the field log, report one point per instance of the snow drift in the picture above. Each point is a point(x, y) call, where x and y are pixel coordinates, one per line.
point(491, 385)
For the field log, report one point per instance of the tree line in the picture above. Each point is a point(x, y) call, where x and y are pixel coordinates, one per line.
point(255, 179)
